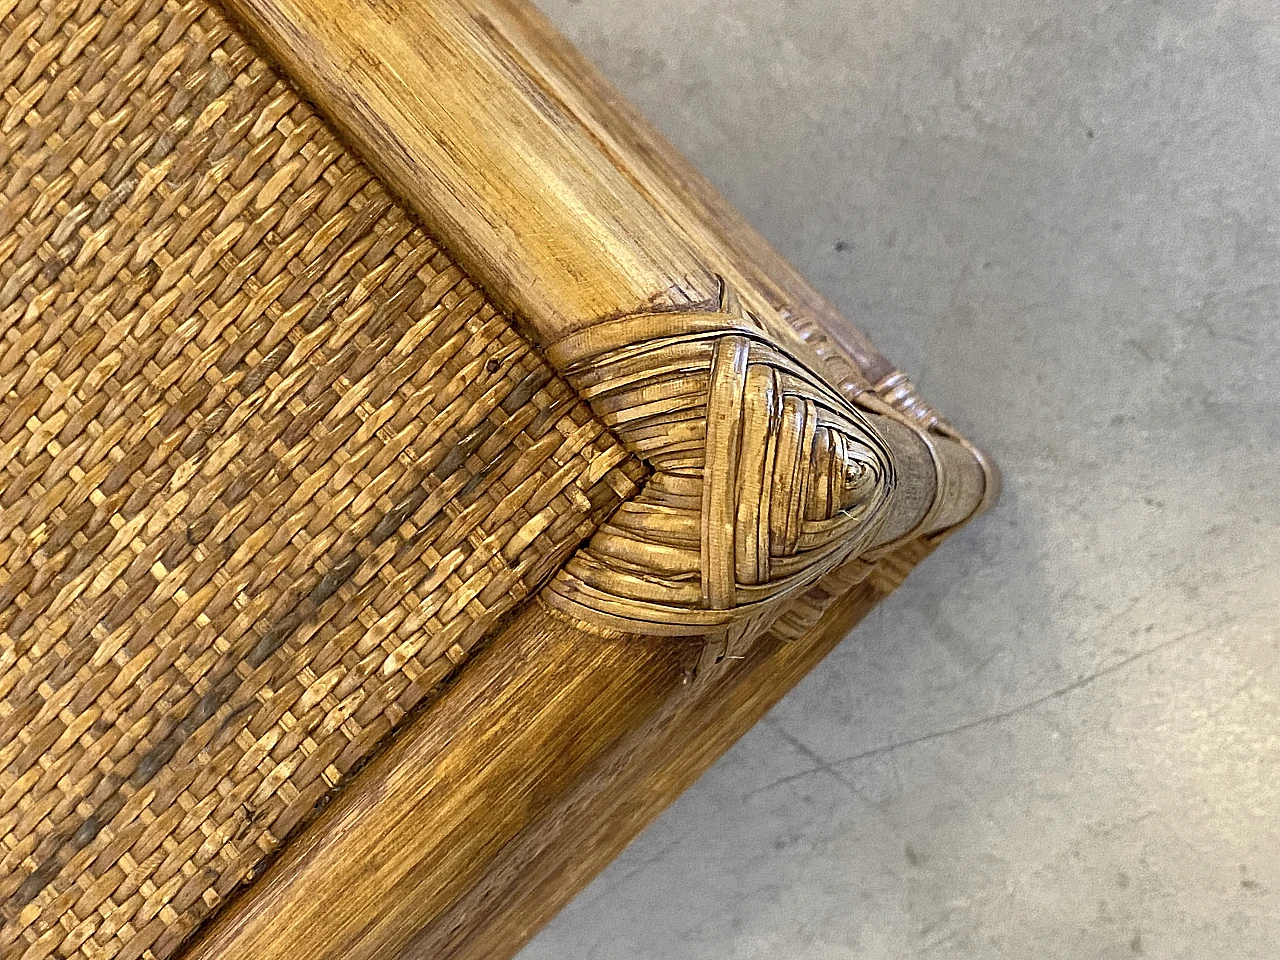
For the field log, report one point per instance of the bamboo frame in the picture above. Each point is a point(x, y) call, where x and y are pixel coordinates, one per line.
point(776, 476)
point(590, 230)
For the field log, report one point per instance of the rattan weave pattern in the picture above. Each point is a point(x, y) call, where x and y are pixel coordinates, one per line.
point(270, 466)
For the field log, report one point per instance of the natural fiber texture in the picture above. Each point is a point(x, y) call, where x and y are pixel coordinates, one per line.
point(764, 478)
point(270, 467)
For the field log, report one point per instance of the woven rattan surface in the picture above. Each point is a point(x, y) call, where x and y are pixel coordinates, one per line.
point(270, 466)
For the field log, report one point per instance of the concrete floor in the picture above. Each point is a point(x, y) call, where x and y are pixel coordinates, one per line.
point(1060, 738)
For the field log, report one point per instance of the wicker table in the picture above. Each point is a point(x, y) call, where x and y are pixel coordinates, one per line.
point(412, 475)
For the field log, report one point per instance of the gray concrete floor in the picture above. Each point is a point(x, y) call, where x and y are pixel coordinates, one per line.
point(1060, 738)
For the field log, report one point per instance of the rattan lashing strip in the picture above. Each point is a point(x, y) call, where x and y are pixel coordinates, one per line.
point(270, 467)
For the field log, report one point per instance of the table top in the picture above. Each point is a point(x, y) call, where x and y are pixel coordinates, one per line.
point(276, 465)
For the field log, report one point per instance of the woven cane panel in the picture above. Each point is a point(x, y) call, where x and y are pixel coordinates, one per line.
point(270, 467)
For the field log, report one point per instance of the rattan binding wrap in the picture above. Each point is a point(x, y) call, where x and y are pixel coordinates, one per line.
point(270, 467)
